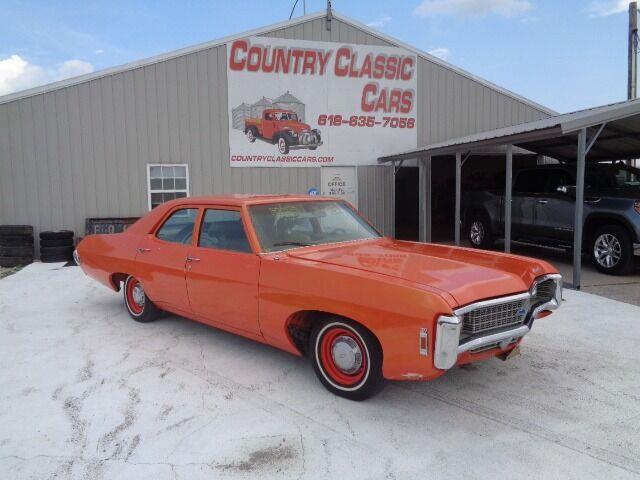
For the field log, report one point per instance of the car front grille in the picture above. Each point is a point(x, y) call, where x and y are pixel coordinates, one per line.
point(494, 317)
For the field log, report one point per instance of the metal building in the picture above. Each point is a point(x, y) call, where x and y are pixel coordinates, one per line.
point(90, 146)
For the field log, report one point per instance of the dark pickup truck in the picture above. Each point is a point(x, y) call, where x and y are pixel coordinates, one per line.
point(543, 212)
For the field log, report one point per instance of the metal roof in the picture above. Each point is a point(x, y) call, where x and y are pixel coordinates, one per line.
point(554, 136)
point(261, 31)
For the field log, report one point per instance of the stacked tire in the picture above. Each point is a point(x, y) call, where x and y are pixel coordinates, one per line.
point(16, 245)
point(56, 246)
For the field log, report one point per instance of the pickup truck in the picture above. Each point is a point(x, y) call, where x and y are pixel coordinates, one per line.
point(282, 128)
point(543, 212)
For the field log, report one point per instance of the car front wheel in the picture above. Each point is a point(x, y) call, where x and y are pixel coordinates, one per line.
point(138, 304)
point(347, 358)
point(612, 250)
point(283, 146)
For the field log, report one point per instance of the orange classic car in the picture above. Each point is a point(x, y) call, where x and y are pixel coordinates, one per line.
point(312, 277)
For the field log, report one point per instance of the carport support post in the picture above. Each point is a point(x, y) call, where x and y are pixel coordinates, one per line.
point(393, 199)
point(424, 222)
point(458, 195)
point(507, 199)
point(577, 227)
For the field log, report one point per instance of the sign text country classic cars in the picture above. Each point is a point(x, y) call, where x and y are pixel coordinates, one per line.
point(308, 104)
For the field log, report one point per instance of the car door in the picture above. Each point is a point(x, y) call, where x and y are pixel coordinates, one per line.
point(268, 125)
point(527, 189)
point(161, 259)
point(223, 271)
point(555, 210)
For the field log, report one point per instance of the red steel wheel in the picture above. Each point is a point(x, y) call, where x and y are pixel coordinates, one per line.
point(138, 304)
point(347, 358)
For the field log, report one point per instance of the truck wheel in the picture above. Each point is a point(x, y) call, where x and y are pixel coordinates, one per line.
point(347, 358)
point(283, 146)
point(479, 232)
point(612, 250)
point(251, 135)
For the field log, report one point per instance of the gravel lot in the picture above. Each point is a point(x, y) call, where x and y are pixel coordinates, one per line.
point(85, 392)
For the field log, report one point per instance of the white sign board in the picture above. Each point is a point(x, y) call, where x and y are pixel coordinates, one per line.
point(297, 103)
point(340, 182)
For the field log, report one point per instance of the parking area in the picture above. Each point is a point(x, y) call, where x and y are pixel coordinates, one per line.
point(88, 393)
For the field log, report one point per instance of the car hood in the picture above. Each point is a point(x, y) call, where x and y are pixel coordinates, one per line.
point(293, 125)
point(465, 274)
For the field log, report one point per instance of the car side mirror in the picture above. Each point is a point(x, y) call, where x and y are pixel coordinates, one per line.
point(567, 190)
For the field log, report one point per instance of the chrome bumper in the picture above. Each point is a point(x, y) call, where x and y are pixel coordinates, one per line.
point(449, 327)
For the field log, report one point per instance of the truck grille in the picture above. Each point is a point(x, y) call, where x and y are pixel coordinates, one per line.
point(493, 317)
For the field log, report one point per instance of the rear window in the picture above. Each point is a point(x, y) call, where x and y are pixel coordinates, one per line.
point(178, 228)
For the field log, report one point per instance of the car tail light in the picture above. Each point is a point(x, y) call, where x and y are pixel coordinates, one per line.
point(636, 206)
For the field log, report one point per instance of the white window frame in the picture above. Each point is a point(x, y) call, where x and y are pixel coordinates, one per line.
point(179, 190)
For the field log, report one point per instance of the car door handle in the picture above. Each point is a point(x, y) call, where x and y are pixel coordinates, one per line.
point(192, 259)
point(543, 202)
point(143, 250)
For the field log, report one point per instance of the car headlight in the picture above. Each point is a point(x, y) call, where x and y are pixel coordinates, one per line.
point(293, 133)
point(636, 206)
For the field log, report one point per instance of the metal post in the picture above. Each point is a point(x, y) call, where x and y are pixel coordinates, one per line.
point(428, 198)
point(577, 222)
point(393, 199)
point(507, 199)
point(632, 66)
point(458, 195)
point(422, 200)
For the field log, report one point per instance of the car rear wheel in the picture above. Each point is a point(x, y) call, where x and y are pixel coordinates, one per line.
point(138, 304)
point(283, 146)
point(612, 250)
point(347, 358)
point(479, 232)
point(251, 135)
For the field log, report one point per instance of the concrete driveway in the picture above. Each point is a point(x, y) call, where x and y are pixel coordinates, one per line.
point(85, 392)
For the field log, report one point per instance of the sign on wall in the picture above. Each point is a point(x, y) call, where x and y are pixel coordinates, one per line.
point(296, 103)
point(340, 182)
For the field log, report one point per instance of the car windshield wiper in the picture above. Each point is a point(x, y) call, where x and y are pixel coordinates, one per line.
point(292, 244)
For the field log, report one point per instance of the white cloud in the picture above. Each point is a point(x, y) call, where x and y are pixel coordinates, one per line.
point(17, 74)
point(606, 8)
point(99, 51)
point(441, 52)
point(472, 8)
point(73, 68)
point(379, 22)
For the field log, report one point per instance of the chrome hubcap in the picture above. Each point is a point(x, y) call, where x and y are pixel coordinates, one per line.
point(346, 354)
point(477, 232)
point(250, 135)
point(281, 145)
point(138, 295)
point(607, 250)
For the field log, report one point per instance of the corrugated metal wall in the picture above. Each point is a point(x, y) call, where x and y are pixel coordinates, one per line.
point(82, 151)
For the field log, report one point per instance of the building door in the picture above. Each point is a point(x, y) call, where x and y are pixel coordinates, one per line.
point(407, 204)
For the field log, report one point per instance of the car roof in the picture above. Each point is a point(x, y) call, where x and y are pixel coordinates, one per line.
point(247, 199)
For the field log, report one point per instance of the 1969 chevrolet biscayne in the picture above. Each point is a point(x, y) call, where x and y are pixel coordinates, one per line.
point(310, 276)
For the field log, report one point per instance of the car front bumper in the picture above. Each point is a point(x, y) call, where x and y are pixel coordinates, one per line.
point(449, 327)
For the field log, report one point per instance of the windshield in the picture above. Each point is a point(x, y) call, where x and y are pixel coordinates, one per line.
point(286, 116)
point(281, 226)
point(605, 176)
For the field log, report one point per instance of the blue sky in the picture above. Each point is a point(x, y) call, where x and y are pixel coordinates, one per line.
point(564, 54)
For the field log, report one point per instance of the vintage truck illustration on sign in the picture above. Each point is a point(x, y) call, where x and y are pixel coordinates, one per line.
point(282, 128)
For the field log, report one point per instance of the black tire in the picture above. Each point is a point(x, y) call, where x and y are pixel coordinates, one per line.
point(50, 251)
point(251, 134)
point(57, 234)
point(56, 242)
point(618, 260)
point(283, 145)
point(17, 251)
point(16, 240)
point(15, 261)
point(367, 379)
point(479, 232)
point(142, 312)
point(16, 230)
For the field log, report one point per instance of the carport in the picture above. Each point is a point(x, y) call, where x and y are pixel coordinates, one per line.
point(609, 132)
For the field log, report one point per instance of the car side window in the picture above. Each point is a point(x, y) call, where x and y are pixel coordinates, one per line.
point(178, 228)
point(530, 181)
point(223, 229)
point(556, 178)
